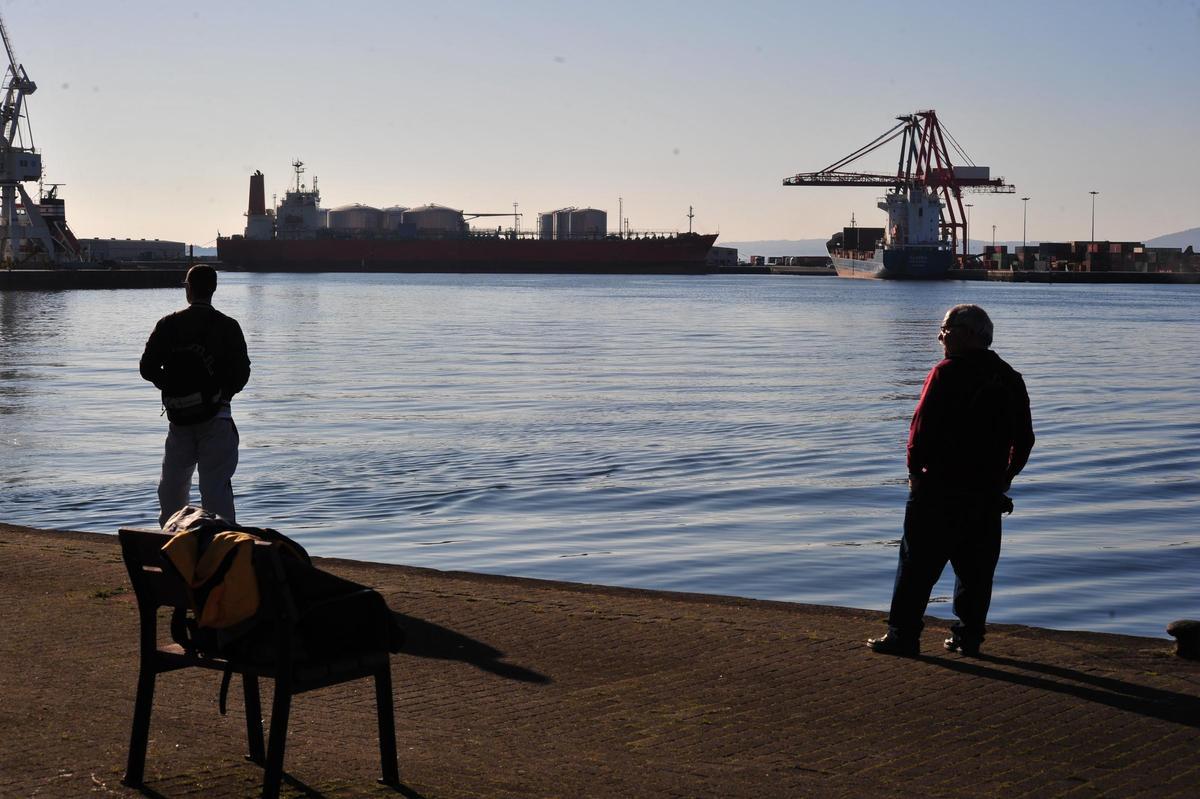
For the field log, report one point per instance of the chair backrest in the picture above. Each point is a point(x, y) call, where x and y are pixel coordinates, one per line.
point(157, 585)
point(154, 586)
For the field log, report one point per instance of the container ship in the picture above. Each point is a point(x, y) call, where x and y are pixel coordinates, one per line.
point(909, 248)
point(300, 236)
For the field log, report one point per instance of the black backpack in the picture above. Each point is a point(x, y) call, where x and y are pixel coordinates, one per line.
point(191, 389)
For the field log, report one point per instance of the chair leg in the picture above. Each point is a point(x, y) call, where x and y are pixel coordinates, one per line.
point(135, 766)
point(254, 733)
point(387, 725)
point(281, 706)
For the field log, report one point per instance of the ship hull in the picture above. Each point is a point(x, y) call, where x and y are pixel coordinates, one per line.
point(682, 254)
point(913, 263)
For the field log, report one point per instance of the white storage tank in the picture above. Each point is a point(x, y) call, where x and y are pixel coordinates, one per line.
point(546, 225)
point(436, 218)
point(355, 217)
point(393, 216)
point(562, 223)
point(588, 223)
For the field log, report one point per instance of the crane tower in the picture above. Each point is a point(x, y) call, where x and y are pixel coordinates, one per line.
point(28, 229)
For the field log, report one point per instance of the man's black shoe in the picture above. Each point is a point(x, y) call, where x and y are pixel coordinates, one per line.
point(956, 644)
point(892, 644)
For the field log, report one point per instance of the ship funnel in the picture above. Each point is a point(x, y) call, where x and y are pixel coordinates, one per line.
point(258, 197)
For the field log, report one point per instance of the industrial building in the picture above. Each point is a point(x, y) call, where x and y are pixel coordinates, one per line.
point(131, 249)
point(722, 257)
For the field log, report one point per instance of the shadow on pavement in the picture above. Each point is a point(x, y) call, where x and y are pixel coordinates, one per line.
point(303, 788)
point(309, 792)
point(1132, 697)
point(424, 639)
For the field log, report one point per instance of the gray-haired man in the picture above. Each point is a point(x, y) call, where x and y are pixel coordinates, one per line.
point(971, 434)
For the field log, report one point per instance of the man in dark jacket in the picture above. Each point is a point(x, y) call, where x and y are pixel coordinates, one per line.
point(971, 434)
point(197, 358)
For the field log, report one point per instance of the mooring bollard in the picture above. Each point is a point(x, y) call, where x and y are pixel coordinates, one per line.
point(1187, 638)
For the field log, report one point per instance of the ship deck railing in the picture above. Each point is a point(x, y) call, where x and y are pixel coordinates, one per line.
point(535, 235)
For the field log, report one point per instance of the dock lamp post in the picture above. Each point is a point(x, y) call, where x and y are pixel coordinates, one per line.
point(1093, 193)
point(1024, 217)
point(993, 238)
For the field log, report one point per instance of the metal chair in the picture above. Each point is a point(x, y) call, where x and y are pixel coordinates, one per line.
point(156, 586)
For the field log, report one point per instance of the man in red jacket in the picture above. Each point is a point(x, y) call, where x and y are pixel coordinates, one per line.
point(971, 434)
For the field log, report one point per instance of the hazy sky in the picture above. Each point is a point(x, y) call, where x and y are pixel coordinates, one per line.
point(153, 114)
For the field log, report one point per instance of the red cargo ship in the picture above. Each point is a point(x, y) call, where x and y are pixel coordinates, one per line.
point(300, 236)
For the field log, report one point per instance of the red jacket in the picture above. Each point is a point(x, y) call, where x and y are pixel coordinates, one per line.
point(972, 431)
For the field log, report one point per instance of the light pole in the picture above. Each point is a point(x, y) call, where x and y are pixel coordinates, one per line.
point(1093, 193)
point(967, 232)
point(993, 238)
point(1024, 217)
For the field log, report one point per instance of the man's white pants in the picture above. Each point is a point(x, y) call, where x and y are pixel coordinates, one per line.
point(213, 447)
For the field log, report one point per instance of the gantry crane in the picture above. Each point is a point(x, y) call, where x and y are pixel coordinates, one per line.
point(924, 164)
point(24, 230)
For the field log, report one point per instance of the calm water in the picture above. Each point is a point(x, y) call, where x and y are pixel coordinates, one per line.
point(739, 435)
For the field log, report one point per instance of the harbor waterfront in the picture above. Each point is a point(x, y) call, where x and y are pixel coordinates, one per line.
point(736, 435)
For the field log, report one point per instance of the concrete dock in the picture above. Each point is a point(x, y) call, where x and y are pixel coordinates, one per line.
point(78, 278)
point(524, 688)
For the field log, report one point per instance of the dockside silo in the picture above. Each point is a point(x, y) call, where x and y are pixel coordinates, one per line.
point(355, 217)
point(562, 223)
point(588, 223)
point(436, 218)
point(546, 225)
point(393, 217)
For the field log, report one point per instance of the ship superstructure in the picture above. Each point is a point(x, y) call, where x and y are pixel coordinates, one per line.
point(29, 231)
point(923, 204)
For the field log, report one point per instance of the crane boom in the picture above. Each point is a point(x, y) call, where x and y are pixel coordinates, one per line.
point(825, 178)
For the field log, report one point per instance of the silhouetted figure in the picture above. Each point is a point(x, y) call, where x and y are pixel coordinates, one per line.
point(971, 434)
point(197, 358)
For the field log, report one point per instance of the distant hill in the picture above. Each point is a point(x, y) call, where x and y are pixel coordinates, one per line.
point(1182, 239)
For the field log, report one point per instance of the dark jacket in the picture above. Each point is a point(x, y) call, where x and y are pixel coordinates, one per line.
point(972, 431)
point(200, 324)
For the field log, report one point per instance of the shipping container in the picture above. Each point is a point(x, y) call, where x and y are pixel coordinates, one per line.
point(972, 172)
point(861, 238)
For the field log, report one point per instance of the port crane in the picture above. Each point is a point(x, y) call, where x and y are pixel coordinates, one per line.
point(24, 229)
point(924, 164)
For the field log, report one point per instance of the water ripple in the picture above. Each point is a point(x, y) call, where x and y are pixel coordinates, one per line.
point(740, 435)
